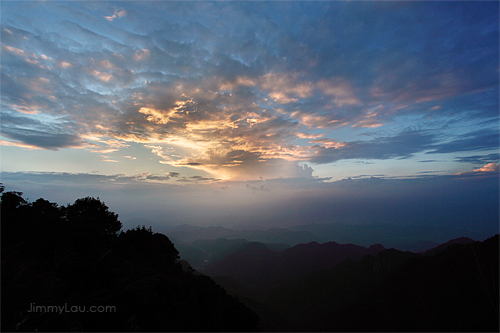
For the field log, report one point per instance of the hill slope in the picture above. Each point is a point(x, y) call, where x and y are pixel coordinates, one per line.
point(453, 290)
point(261, 269)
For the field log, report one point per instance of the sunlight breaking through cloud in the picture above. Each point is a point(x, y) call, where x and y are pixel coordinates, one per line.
point(254, 98)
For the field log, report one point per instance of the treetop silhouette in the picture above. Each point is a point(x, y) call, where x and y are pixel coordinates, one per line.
point(76, 255)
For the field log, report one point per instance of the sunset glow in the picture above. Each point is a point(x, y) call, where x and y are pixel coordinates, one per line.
point(226, 94)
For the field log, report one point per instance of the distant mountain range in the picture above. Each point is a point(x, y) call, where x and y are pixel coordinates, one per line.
point(334, 287)
point(442, 247)
point(260, 269)
point(193, 242)
point(203, 252)
point(406, 238)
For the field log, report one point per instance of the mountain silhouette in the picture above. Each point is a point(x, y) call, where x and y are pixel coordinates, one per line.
point(203, 252)
point(405, 238)
point(455, 289)
point(261, 269)
point(441, 247)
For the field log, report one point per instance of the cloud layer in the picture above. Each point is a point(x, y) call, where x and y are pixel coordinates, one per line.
point(234, 91)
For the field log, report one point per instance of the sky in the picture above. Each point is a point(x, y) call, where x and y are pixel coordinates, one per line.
point(195, 112)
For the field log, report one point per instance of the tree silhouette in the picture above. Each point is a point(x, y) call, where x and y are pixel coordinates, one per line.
point(75, 255)
point(15, 221)
point(91, 218)
point(12, 200)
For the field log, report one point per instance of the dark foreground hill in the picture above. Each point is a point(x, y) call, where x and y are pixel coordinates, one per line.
point(453, 290)
point(71, 269)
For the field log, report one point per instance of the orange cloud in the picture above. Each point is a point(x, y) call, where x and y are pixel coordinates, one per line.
point(107, 159)
point(342, 92)
point(64, 64)
point(102, 76)
point(117, 14)
point(142, 54)
point(328, 143)
point(302, 135)
point(367, 123)
point(488, 168)
point(18, 144)
point(14, 50)
point(282, 87)
point(318, 121)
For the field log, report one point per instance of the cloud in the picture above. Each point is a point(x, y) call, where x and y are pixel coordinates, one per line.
point(368, 123)
point(319, 120)
point(490, 167)
point(206, 90)
point(341, 92)
point(262, 187)
point(479, 159)
point(328, 143)
point(241, 164)
point(487, 139)
point(117, 14)
point(283, 88)
point(64, 64)
point(107, 159)
point(44, 140)
point(486, 169)
point(196, 179)
point(402, 145)
point(143, 54)
point(159, 178)
point(18, 144)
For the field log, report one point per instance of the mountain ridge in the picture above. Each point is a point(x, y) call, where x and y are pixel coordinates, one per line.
point(260, 269)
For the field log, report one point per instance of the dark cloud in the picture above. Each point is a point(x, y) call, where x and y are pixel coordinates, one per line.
point(196, 179)
point(58, 176)
point(402, 145)
point(408, 143)
point(479, 159)
point(51, 141)
point(262, 187)
point(10, 120)
point(157, 177)
point(173, 174)
point(473, 141)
